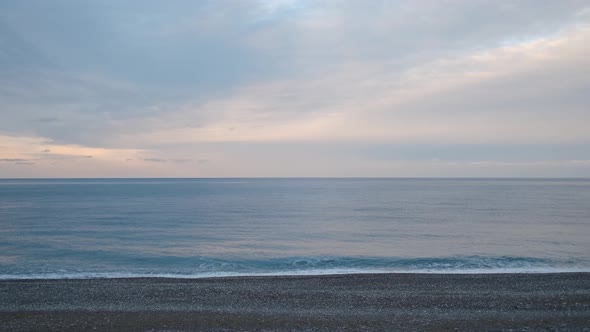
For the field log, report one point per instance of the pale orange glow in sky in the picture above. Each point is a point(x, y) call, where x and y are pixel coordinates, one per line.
point(295, 88)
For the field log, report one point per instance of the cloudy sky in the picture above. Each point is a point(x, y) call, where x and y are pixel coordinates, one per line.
point(277, 88)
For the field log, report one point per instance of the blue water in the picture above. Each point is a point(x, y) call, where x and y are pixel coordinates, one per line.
point(213, 227)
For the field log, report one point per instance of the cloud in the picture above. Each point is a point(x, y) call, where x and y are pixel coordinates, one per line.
point(527, 93)
point(155, 160)
point(48, 119)
point(16, 161)
point(140, 86)
point(162, 160)
point(18, 148)
point(12, 160)
point(181, 161)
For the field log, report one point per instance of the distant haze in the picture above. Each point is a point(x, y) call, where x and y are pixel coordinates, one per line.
point(288, 88)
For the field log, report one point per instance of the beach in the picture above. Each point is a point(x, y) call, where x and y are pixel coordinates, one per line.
point(558, 301)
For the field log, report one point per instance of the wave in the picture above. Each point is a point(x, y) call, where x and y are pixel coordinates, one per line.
point(204, 267)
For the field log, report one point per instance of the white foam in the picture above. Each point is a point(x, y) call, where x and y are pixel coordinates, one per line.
point(314, 272)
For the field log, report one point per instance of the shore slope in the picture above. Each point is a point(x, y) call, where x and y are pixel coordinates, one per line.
point(559, 301)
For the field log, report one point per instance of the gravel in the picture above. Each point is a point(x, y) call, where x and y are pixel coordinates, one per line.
point(511, 302)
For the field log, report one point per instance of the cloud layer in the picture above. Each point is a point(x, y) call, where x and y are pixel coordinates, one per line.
point(294, 88)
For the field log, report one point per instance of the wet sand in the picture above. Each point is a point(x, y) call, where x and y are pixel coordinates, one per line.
point(310, 303)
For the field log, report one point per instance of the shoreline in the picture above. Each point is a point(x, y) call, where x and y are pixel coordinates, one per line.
point(319, 273)
point(382, 301)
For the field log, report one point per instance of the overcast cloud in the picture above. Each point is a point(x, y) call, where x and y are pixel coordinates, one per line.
point(294, 88)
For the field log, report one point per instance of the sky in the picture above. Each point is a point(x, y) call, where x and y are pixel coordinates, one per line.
point(294, 88)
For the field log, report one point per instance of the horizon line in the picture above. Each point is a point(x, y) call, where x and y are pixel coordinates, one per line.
point(306, 177)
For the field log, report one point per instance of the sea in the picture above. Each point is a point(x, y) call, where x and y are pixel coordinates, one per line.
point(192, 228)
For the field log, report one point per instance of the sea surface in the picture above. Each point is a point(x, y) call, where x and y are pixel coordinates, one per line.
point(87, 228)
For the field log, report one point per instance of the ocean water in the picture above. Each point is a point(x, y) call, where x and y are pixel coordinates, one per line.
point(87, 228)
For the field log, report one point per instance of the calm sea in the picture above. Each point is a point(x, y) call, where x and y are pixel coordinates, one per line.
point(215, 227)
